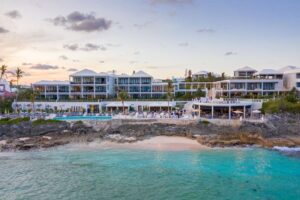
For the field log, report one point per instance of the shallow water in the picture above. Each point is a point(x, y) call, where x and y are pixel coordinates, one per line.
point(110, 173)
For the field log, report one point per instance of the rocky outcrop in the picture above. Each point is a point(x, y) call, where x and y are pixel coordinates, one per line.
point(277, 130)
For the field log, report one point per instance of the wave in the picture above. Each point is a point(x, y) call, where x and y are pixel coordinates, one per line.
point(287, 149)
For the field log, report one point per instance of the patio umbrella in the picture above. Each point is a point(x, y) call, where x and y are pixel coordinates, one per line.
point(237, 112)
point(256, 111)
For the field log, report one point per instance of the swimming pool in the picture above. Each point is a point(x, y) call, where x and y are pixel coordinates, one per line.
point(77, 118)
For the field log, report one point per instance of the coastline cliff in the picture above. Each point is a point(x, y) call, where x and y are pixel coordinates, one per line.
point(276, 130)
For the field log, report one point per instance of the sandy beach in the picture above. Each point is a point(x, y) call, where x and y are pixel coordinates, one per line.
point(158, 143)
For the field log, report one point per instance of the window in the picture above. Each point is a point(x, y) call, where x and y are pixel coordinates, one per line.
point(63, 88)
point(269, 86)
point(298, 76)
point(100, 89)
point(145, 89)
point(134, 89)
point(134, 80)
point(146, 80)
point(123, 81)
point(298, 85)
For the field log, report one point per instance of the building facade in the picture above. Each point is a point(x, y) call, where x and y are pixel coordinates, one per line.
point(88, 84)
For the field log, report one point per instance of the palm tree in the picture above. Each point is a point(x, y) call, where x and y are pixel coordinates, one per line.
point(169, 93)
point(122, 96)
point(3, 70)
point(19, 75)
point(32, 97)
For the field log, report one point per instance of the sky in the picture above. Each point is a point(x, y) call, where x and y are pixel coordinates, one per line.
point(51, 39)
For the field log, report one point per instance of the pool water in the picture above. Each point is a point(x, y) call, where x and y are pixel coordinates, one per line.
point(77, 118)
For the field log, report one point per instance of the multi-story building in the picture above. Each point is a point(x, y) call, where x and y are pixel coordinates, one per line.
point(137, 85)
point(265, 82)
point(87, 84)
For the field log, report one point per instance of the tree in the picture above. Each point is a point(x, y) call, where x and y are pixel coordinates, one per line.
point(3, 70)
point(169, 93)
point(19, 75)
point(292, 96)
point(122, 96)
point(199, 93)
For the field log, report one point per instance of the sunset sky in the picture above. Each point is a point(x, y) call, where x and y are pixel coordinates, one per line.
point(51, 39)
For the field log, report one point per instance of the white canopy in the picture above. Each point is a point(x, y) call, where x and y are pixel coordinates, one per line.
point(161, 104)
point(118, 104)
point(256, 111)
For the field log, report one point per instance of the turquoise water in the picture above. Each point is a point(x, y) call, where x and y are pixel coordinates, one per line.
point(77, 118)
point(68, 173)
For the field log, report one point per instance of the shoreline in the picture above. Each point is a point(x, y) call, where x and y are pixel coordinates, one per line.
point(281, 131)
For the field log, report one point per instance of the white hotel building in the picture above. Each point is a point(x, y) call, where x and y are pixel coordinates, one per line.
point(87, 84)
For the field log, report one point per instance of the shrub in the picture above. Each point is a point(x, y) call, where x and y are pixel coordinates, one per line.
point(7, 121)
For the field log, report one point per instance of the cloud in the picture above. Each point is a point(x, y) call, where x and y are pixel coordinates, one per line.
point(101, 61)
point(1, 60)
point(72, 70)
point(77, 21)
point(184, 44)
point(206, 30)
point(113, 45)
point(170, 2)
point(3, 30)
point(141, 26)
point(44, 67)
point(230, 53)
point(87, 47)
point(93, 47)
point(13, 14)
point(136, 53)
point(75, 60)
point(63, 57)
point(24, 63)
point(72, 47)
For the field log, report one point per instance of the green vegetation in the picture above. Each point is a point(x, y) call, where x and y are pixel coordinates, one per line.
point(288, 103)
point(122, 96)
point(6, 105)
point(188, 96)
point(8, 121)
point(44, 121)
point(205, 122)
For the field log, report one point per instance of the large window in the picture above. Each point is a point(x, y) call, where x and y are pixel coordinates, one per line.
point(100, 89)
point(269, 86)
point(51, 88)
point(237, 86)
point(123, 81)
point(88, 80)
point(145, 89)
point(298, 85)
point(100, 80)
point(298, 76)
point(63, 88)
point(76, 80)
point(134, 89)
point(134, 81)
point(88, 89)
point(146, 80)
point(254, 86)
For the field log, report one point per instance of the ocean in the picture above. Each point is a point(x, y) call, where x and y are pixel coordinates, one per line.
point(129, 174)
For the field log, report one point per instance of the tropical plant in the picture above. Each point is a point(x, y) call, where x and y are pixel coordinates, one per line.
point(3, 70)
point(19, 75)
point(122, 96)
point(169, 93)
